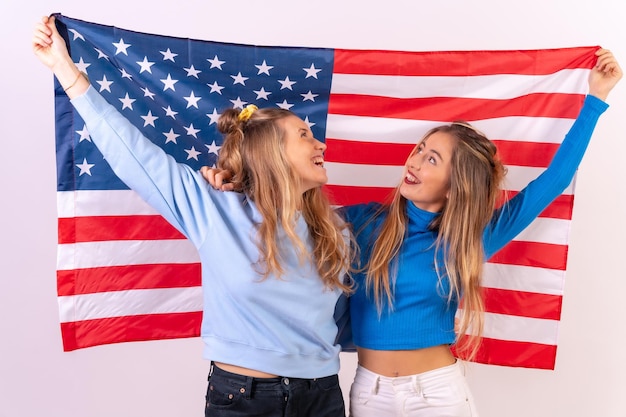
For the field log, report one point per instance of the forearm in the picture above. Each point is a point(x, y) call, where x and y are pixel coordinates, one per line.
point(70, 77)
point(521, 210)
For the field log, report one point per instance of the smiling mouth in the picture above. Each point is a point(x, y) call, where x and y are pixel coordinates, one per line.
point(410, 179)
point(319, 161)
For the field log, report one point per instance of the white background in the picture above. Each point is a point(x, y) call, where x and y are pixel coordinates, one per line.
point(168, 378)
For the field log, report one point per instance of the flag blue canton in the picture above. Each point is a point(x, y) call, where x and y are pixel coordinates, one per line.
point(174, 89)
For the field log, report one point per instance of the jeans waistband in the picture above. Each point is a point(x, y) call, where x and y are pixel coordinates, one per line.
point(261, 383)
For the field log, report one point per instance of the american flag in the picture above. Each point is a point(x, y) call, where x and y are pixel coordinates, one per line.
point(124, 274)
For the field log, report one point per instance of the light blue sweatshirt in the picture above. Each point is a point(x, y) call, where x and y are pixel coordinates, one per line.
point(283, 326)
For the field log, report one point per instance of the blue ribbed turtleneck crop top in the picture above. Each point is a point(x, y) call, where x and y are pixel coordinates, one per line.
point(422, 316)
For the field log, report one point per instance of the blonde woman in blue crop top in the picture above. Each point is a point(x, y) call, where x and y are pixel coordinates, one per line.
point(426, 249)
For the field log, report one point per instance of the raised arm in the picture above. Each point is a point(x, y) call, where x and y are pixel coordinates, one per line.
point(520, 211)
point(173, 189)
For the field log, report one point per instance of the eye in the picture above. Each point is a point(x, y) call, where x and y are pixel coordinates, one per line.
point(432, 160)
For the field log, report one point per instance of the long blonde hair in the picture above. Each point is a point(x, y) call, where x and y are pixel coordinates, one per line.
point(253, 151)
point(476, 177)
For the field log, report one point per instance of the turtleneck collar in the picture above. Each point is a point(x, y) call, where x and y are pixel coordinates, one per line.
point(419, 218)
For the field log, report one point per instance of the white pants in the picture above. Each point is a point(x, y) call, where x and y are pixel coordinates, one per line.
point(441, 392)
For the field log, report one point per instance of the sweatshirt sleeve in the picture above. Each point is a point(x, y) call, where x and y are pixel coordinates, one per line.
point(515, 215)
point(175, 190)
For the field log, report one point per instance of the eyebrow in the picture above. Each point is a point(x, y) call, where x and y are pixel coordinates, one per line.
point(436, 153)
point(423, 144)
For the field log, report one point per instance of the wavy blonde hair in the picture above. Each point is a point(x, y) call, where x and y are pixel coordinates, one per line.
point(253, 151)
point(476, 178)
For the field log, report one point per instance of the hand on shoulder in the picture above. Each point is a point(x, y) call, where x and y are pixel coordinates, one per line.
point(218, 178)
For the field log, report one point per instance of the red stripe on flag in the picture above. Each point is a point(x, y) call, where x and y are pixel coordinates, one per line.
point(344, 195)
point(560, 208)
point(103, 228)
point(128, 277)
point(517, 354)
point(445, 109)
point(539, 255)
point(462, 63)
point(367, 153)
point(528, 154)
point(523, 303)
point(82, 334)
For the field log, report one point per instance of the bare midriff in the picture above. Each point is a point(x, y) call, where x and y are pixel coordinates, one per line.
point(393, 363)
point(243, 371)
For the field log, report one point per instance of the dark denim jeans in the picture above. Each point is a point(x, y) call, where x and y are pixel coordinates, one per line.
point(234, 395)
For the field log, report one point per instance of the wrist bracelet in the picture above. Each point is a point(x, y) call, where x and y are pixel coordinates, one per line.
point(76, 80)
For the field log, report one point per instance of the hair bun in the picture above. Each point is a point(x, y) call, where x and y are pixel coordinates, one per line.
point(229, 122)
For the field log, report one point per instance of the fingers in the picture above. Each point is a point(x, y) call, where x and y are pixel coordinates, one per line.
point(42, 35)
point(607, 63)
point(51, 23)
point(209, 175)
point(605, 74)
point(44, 31)
point(221, 180)
point(217, 178)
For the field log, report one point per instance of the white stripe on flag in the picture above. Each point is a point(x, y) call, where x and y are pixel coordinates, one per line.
point(388, 130)
point(496, 87)
point(125, 252)
point(521, 329)
point(359, 175)
point(101, 203)
point(129, 303)
point(523, 278)
point(517, 178)
point(546, 230)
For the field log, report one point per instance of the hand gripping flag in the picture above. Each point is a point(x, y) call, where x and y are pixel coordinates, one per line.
point(124, 274)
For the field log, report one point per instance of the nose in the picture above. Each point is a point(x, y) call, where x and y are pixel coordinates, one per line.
point(415, 162)
point(321, 145)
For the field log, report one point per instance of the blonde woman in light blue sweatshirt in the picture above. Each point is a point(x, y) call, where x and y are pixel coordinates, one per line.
point(273, 254)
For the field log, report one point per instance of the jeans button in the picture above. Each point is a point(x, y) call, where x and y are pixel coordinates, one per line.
point(286, 381)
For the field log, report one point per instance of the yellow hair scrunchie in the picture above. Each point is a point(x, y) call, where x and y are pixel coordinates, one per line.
point(246, 113)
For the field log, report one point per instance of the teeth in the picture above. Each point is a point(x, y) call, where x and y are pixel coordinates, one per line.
point(410, 178)
point(318, 161)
